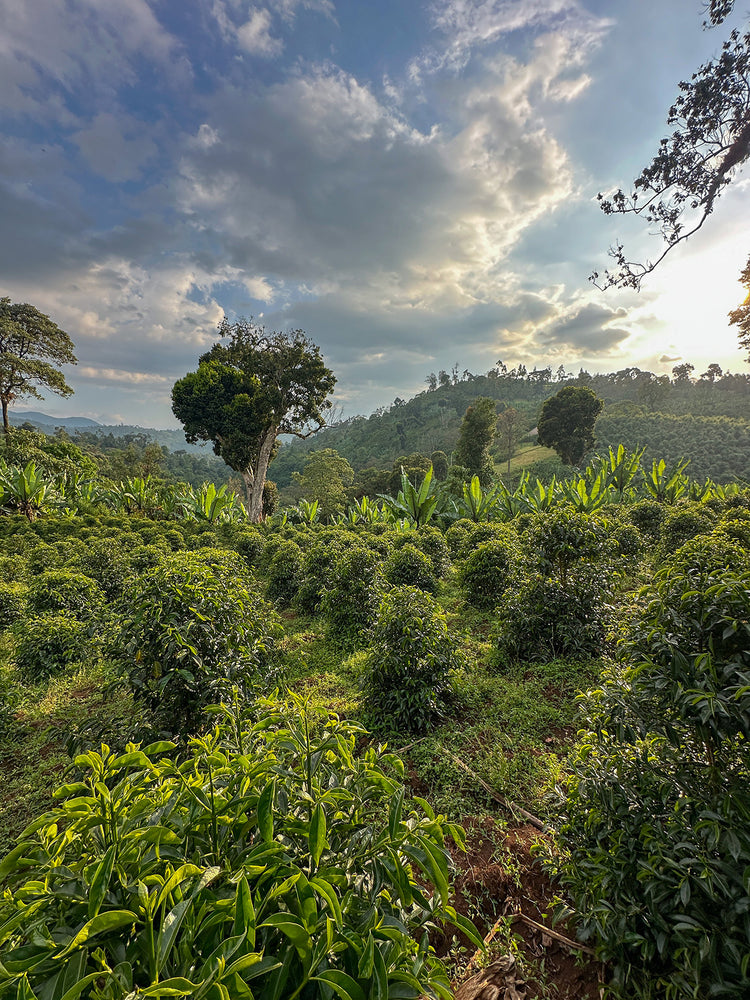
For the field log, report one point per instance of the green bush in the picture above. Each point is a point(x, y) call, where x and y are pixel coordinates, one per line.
point(285, 574)
point(13, 569)
point(563, 540)
point(249, 543)
point(457, 538)
point(648, 517)
point(14, 599)
point(408, 566)
point(193, 628)
point(350, 603)
point(59, 590)
point(657, 835)
point(488, 570)
point(432, 542)
point(45, 645)
point(545, 621)
point(145, 557)
point(271, 860)
point(318, 567)
point(108, 563)
point(407, 674)
point(684, 522)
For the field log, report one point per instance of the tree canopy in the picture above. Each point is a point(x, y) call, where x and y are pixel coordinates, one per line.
point(710, 139)
point(475, 439)
point(248, 391)
point(566, 422)
point(31, 348)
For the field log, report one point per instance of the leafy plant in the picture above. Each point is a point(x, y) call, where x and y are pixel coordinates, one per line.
point(664, 484)
point(60, 590)
point(285, 573)
point(45, 645)
point(408, 669)
point(564, 539)
point(657, 836)
point(544, 621)
point(406, 565)
point(418, 505)
point(272, 862)
point(350, 603)
point(26, 490)
point(488, 570)
point(14, 597)
point(190, 630)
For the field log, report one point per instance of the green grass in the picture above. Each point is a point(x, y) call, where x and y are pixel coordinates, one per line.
point(34, 755)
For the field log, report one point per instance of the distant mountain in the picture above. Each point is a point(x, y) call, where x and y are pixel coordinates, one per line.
point(45, 421)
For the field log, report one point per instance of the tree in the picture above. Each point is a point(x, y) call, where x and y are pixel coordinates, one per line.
point(677, 191)
point(31, 348)
point(247, 392)
point(325, 478)
point(475, 439)
point(510, 426)
point(566, 422)
point(681, 373)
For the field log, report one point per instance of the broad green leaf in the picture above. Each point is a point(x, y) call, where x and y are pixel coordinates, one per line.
point(346, 987)
point(244, 912)
point(293, 928)
point(108, 921)
point(326, 890)
point(176, 987)
point(100, 881)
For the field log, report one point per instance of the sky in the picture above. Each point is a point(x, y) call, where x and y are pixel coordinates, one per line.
point(411, 182)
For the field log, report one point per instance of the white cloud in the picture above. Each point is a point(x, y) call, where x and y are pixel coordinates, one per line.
point(48, 50)
point(255, 37)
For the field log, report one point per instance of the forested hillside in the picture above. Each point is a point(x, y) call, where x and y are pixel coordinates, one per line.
point(703, 419)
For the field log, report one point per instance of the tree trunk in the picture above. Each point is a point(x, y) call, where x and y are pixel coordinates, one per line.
point(255, 500)
point(6, 424)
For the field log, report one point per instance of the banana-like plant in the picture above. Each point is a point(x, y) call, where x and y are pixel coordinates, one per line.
point(584, 497)
point(26, 490)
point(477, 504)
point(417, 505)
point(307, 512)
point(666, 485)
point(212, 505)
point(621, 469)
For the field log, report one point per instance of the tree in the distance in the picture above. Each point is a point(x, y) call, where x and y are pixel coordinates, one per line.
point(566, 422)
point(325, 478)
point(475, 439)
point(31, 348)
point(247, 392)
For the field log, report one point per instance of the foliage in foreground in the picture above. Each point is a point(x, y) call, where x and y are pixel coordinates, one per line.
point(269, 860)
point(658, 828)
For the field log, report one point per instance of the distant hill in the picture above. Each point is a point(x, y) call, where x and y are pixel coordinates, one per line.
point(47, 423)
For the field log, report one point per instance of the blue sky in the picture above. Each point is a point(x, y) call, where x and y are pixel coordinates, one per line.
point(412, 183)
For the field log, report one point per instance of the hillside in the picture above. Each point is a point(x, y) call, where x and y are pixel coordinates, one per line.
point(705, 421)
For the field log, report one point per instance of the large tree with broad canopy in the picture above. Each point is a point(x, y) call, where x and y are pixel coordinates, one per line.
point(248, 391)
point(31, 348)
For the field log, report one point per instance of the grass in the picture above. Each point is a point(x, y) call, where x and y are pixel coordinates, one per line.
point(35, 746)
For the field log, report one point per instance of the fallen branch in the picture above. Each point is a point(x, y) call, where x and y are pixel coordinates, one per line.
point(506, 803)
point(575, 945)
